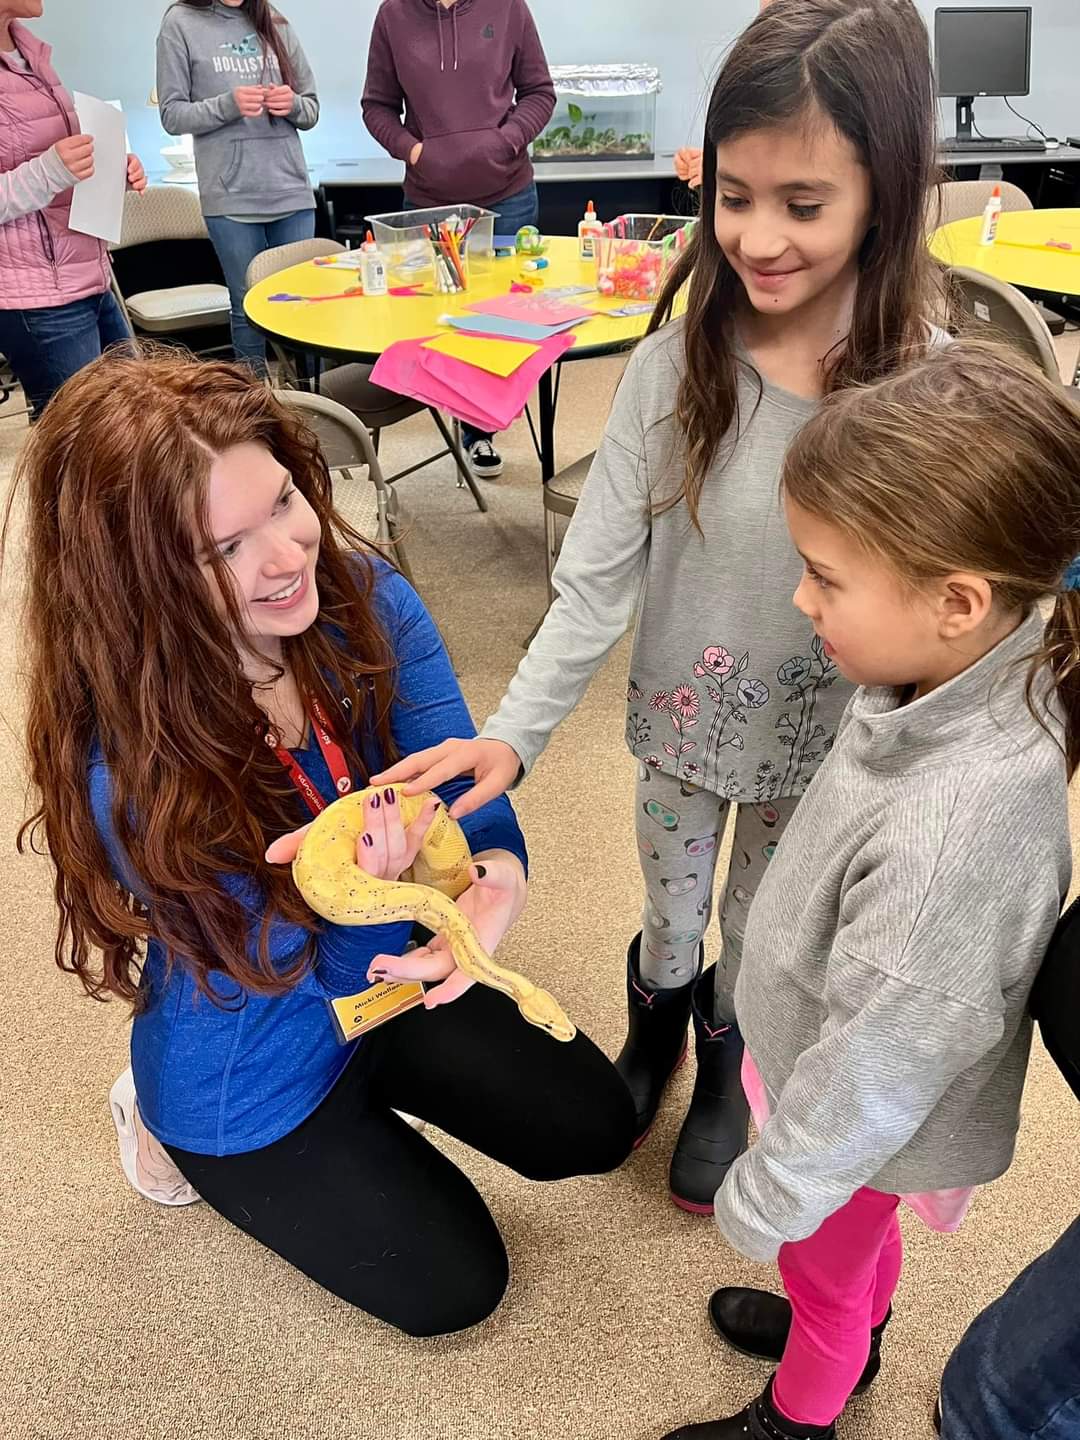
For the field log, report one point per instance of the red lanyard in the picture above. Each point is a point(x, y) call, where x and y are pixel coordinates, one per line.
point(332, 754)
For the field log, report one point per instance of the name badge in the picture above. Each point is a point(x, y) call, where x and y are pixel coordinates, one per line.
point(355, 1015)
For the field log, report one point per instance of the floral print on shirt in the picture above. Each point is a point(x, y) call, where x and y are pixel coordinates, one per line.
point(698, 741)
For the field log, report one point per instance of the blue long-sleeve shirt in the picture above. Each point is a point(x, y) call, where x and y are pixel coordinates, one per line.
point(222, 1079)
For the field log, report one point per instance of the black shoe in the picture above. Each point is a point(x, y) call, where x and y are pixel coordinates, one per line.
point(484, 460)
point(759, 1421)
point(756, 1323)
point(655, 1044)
point(713, 1135)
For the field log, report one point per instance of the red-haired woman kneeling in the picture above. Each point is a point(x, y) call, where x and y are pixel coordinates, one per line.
point(192, 594)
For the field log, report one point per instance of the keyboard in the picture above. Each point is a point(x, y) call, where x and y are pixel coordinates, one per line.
point(1010, 145)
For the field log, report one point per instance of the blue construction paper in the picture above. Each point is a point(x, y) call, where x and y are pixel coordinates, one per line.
point(508, 329)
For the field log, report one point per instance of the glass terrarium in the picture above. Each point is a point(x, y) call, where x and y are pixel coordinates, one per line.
point(602, 112)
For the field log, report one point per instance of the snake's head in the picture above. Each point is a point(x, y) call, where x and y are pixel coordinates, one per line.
point(545, 1012)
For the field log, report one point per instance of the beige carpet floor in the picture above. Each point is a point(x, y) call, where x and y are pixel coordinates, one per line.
point(121, 1319)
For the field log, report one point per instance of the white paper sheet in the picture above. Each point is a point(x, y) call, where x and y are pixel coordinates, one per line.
point(97, 204)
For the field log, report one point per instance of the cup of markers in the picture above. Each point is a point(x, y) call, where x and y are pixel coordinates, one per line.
point(449, 244)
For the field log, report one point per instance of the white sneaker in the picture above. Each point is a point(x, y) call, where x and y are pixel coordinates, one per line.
point(484, 460)
point(144, 1160)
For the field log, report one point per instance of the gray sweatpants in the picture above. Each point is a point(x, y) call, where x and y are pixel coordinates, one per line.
point(678, 832)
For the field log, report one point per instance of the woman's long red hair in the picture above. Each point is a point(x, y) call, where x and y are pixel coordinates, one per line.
point(126, 653)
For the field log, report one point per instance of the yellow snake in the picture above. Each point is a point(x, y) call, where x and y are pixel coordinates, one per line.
point(338, 889)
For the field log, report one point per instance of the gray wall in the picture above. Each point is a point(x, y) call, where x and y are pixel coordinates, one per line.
point(106, 47)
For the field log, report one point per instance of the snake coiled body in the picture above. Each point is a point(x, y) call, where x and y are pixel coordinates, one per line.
point(341, 891)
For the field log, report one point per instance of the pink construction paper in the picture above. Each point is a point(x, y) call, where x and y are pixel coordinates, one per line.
point(487, 402)
point(400, 370)
point(503, 397)
point(532, 309)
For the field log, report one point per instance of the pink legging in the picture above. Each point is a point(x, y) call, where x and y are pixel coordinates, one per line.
point(840, 1282)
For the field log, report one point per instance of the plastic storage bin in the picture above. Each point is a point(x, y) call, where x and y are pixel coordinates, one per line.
point(404, 241)
point(602, 112)
point(635, 253)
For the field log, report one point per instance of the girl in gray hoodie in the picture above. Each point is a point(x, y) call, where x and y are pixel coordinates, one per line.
point(232, 74)
point(893, 941)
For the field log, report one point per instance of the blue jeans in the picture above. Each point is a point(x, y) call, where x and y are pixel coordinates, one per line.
point(510, 215)
point(237, 245)
point(516, 210)
point(1016, 1373)
point(47, 346)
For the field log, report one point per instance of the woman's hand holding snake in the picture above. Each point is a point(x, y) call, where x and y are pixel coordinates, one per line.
point(385, 849)
point(335, 865)
point(492, 902)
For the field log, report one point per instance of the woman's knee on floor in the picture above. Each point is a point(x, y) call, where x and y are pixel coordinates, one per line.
point(591, 1135)
point(460, 1289)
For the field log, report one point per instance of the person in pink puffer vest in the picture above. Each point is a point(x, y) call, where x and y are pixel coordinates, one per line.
point(57, 312)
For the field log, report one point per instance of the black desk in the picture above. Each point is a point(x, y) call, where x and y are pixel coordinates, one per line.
point(1050, 178)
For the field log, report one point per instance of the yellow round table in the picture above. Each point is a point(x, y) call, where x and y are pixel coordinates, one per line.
point(1020, 254)
point(361, 328)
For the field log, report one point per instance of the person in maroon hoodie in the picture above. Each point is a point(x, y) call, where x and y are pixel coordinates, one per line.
point(473, 82)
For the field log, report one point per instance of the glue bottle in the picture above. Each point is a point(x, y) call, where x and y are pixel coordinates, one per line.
point(372, 269)
point(990, 217)
point(588, 229)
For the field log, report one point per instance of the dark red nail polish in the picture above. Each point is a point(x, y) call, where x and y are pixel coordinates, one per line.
point(375, 802)
point(367, 840)
point(391, 797)
point(481, 871)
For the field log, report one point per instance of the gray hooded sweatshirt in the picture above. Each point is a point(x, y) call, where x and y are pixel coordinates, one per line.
point(246, 166)
point(892, 946)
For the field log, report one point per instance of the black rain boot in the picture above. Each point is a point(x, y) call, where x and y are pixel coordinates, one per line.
point(655, 1044)
point(756, 1323)
point(713, 1135)
point(760, 1420)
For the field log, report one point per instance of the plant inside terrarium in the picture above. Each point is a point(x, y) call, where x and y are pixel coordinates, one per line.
point(582, 139)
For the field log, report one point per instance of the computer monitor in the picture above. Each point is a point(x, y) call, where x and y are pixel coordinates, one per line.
point(981, 50)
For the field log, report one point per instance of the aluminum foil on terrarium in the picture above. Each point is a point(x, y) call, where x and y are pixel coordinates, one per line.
point(602, 112)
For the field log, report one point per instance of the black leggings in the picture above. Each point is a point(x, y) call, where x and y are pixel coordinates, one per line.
point(365, 1206)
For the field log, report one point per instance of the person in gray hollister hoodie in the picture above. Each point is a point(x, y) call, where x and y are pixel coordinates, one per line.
point(232, 74)
point(474, 85)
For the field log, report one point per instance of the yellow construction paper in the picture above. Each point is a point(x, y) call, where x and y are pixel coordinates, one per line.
point(497, 357)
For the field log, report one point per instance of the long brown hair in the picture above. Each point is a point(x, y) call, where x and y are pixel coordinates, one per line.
point(864, 65)
point(968, 460)
point(128, 658)
point(267, 23)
